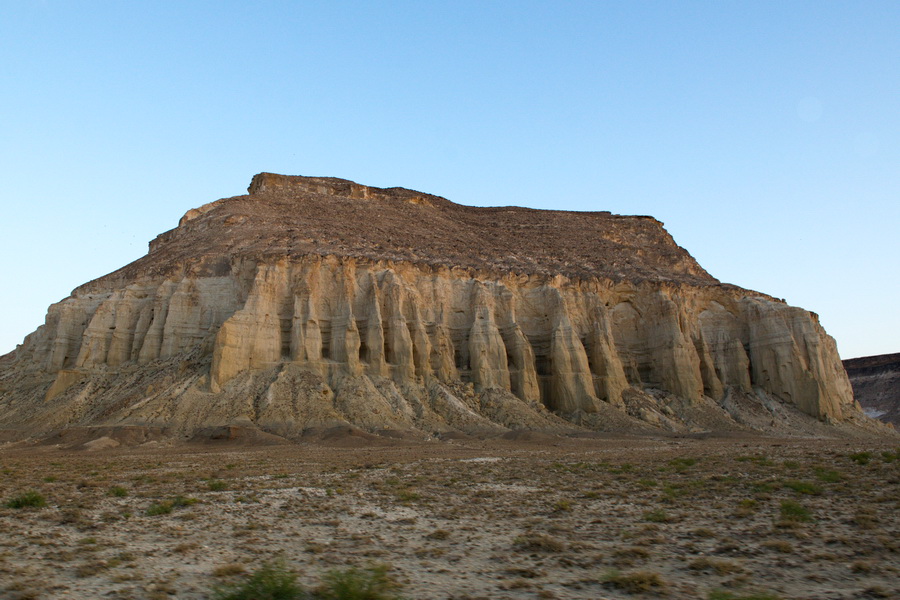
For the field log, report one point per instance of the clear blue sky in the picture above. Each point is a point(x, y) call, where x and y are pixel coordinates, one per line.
point(766, 135)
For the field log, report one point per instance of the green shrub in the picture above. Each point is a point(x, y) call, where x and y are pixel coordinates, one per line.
point(827, 475)
point(274, 581)
point(370, 583)
point(167, 506)
point(657, 515)
point(795, 512)
point(29, 499)
point(181, 501)
point(682, 464)
point(217, 485)
point(861, 458)
point(408, 495)
point(117, 491)
point(804, 487)
point(159, 508)
point(269, 582)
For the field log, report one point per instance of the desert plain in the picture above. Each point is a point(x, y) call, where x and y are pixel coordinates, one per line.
point(526, 516)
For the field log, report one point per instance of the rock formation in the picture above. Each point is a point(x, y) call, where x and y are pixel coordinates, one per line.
point(876, 385)
point(318, 302)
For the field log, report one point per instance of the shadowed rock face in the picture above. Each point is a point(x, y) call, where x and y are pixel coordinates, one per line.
point(876, 385)
point(315, 302)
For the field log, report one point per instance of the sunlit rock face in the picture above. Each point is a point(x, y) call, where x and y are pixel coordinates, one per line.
point(314, 302)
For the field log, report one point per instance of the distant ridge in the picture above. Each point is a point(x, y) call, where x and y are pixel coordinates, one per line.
point(876, 385)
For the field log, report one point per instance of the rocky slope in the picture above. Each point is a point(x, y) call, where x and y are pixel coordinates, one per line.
point(317, 302)
point(876, 385)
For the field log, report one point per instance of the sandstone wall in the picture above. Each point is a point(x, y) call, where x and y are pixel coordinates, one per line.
point(574, 347)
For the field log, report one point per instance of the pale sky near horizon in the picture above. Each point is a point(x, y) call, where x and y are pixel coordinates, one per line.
point(765, 135)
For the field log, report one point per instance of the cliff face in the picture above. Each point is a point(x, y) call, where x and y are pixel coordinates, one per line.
point(314, 302)
point(876, 385)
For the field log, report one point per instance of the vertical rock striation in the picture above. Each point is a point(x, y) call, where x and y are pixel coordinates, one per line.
point(313, 302)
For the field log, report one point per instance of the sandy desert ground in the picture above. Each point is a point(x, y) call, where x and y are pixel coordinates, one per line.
point(534, 517)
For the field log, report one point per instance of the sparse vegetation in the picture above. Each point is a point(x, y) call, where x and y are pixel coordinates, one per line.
point(804, 487)
point(565, 514)
point(726, 595)
point(272, 581)
point(827, 475)
point(538, 541)
point(861, 458)
point(439, 534)
point(682, 464)
point(746, 507)
point(562, 505)
point(408, 495)
point(657, 515)
point(230, 569)
point(161, 508)
point(865, 519)
point(167, 506)
point(635, 582)
point(30, 499)
point(794, 512)
point(714, 565)
point(630, 555)
point(117, 491)
point(370, 583)
point(783, 546)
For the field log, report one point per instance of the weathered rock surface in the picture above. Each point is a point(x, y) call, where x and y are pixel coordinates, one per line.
point(876, 385)
point(318, 302)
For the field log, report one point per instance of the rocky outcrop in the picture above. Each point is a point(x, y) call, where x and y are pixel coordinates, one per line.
point(315, 302)
point(876, 385)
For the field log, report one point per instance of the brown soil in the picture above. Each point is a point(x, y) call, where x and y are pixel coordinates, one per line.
point(295, 216)
point(532, 517)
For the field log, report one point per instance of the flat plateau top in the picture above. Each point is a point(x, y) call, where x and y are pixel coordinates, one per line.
point(293, 216)
point(874, 362)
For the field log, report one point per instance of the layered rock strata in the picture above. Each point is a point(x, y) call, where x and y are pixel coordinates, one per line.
point(876, 385)
point(315, 302)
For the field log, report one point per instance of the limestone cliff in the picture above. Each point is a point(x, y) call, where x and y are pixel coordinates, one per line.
point(314, 302)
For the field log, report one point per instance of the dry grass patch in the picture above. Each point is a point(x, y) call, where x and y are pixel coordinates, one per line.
point(719, 566)
point(635, 582)
point(538, 542)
